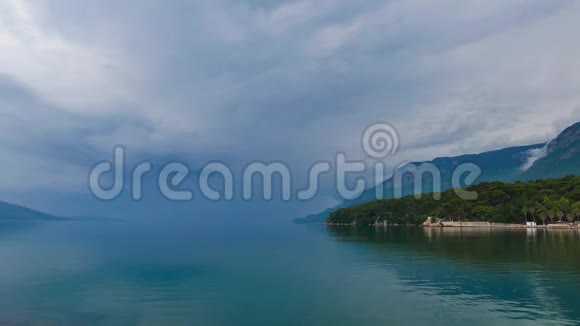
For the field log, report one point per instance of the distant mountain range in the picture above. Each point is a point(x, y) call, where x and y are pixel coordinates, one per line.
point(557, 158)
point(562, 157)
point(16, 212)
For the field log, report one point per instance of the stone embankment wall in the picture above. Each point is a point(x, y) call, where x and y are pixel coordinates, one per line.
point(466, 224)
point(429, 223)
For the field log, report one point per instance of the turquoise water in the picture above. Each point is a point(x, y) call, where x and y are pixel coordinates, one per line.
point(185, 273)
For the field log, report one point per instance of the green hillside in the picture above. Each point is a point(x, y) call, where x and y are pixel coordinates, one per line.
point(502, 165)
point(551, 199)
point(563, 157)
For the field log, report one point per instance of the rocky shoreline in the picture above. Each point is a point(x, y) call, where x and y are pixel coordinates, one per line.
point(444, 224)
point(458, 224)
point(499, 225)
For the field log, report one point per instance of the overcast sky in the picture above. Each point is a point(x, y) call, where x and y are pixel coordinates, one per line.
point(275, 80)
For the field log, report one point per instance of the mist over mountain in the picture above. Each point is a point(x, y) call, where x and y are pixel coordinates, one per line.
point(562, 157)
point(557, 158)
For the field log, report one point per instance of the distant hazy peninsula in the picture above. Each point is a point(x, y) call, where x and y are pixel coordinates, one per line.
point(16, 212)
point(12, 212)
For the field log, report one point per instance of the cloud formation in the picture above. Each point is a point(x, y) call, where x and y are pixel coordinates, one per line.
point(276, 80)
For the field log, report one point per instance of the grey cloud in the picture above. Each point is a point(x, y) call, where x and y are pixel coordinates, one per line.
point(293, 80)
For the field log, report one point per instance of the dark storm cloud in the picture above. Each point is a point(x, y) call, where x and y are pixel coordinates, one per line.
point(287, 80)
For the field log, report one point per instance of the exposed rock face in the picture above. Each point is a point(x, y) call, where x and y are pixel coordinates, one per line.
point(562, 157)
point(499, 165)
point(428, 221)
point(566, 141)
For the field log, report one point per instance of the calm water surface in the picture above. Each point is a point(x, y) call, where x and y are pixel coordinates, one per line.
point(178, 273)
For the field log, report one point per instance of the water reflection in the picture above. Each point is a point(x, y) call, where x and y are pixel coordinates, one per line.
point(170, 274)
point(554, 250)
point(524, 275)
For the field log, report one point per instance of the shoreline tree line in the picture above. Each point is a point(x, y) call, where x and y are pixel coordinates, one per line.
point(543, 201)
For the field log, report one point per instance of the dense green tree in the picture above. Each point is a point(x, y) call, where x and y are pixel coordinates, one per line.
point(483, 212)
point(543, 217)
point(496, 202)
point(552, 215)
point(525, 211)
point(576, 209)
point(560, 215)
